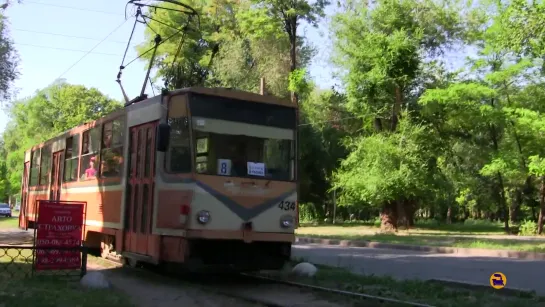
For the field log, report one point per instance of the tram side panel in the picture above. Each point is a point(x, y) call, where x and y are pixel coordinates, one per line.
point(104, 202)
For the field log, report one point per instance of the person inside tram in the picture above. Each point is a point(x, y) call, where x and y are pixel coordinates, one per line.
point(91, 171)
point(238, 159)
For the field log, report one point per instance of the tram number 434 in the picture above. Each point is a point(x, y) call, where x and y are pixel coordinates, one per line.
point(287, 205)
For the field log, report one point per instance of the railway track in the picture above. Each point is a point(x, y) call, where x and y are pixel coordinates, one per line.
point(272, 292)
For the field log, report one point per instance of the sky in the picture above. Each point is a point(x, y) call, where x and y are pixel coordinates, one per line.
point(52, 36)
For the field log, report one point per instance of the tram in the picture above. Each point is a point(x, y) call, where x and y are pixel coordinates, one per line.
point(200, 177)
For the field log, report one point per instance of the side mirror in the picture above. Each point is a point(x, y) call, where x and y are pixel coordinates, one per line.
point(163, 137)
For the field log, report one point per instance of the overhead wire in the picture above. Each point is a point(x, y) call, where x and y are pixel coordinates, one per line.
point(158, 39)
point(129, 41)
point(158, 21)
point(182, 40)
point(64, 35)
point(72, 8)
point(151, 83)
point(91, 50)
point(150, 49)
point(178, 30)
point(147, 24)
point(65, 49)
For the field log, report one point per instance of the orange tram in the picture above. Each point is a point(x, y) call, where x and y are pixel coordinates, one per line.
point(198, 177)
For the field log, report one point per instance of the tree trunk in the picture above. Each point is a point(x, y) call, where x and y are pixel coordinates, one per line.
point(541, 206)
point(516, 199)
point(411, 211)
point(449, 214)
point(396, 109)
point(292, 34)
point(402, 221)
point(388, 218)
point(378, 124)
point(319, 212)
point(494, 139)
point(466, 213)
point(503, 205)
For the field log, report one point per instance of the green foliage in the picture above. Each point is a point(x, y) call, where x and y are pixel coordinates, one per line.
point(537, 166)
point(4, 182)
point(298, 82)
point(8, 61)
point(234, 44)
point(386, 167)
point(47, 113)
point(403, 134)
point(528, 228)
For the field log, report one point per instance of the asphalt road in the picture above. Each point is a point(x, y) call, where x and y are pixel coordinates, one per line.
point(522, 274)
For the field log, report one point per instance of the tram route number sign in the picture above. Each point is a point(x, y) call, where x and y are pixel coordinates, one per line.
point(59, 224)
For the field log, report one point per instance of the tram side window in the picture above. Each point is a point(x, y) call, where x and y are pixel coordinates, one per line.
point(112, 148)
point(35, 168)
point(89, 153)
point(45, 165)
point(202, 154)
point(179, 152)
point(71, 159)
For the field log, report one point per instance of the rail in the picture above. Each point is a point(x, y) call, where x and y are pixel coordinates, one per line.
point(336, 291)
point(209, 283)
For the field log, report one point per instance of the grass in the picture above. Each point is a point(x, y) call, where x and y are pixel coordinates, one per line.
point(414, 290)
point(469, 227)
point(457, 235)
point(19, 289)
point(6, 222)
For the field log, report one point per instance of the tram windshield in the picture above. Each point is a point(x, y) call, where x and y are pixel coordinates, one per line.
point(236, 138)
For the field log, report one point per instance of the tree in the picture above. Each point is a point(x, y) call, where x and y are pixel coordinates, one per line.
point(233, 44)
point(4, 182)
point(8, 61)
point(47, 113)
point(288, 14)
point(537, 168)
point(384, 50)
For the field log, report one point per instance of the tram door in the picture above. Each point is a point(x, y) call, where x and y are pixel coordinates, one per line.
point(23, 219)
point(56, 176)
point(139, 203)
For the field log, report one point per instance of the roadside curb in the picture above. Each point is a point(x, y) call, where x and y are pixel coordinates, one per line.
point(431, 249)
point(471, 286)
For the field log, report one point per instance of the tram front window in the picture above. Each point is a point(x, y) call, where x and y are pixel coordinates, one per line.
point(231, 137)
point(243, 156)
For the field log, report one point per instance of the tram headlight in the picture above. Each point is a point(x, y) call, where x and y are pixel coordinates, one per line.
point(286, 221)
point(203, 216)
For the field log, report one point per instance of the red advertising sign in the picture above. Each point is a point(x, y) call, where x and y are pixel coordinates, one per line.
point(59, 224)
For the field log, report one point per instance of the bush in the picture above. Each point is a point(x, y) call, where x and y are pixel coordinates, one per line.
point(306, 213)
point(528, 228)
point(427, 222)
point(487, 223)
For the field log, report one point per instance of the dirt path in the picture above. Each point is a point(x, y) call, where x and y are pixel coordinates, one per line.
point(150, 290)
point(15, 236)
point(155, 292)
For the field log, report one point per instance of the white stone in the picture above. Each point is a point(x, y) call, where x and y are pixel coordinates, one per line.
point(95, 280)
point(304, 269)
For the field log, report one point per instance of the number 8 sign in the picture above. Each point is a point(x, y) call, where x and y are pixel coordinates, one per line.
point(224, 167)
